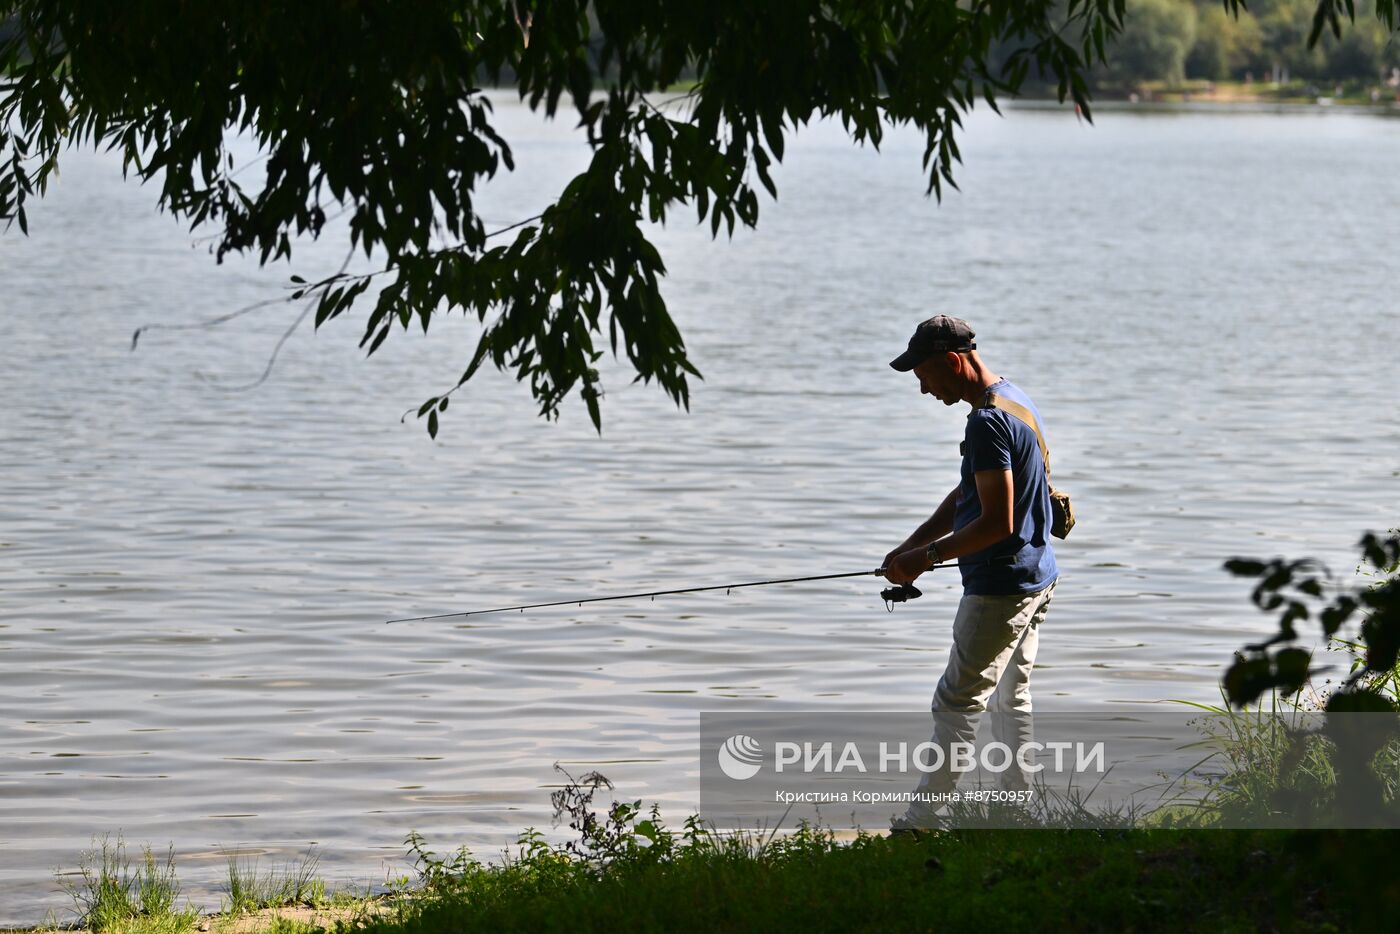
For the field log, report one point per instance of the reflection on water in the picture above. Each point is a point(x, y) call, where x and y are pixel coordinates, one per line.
point(193, 581)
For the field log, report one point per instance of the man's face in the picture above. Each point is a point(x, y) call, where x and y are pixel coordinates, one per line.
point(937, 379)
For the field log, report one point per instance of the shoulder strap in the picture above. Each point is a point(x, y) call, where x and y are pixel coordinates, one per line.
point(998, 401)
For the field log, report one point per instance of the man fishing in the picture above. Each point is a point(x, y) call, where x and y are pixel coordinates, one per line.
point(996, 523)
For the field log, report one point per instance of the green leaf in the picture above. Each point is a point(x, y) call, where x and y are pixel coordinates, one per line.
point(1244, 567)
point(761, 164)
point(1292, 667)
point(1381, 633)
point(378, 339)
point(1247, 679)
point(772, 119)
point(1334, 617)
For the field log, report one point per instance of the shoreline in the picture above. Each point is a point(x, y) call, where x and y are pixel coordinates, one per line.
point(250, 922)
point(1117, 105)
point(1205, 98)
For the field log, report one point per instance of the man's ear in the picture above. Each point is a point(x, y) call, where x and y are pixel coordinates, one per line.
point(954, 361)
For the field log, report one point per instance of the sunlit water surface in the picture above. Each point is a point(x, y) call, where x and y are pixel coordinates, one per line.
point(193, 580)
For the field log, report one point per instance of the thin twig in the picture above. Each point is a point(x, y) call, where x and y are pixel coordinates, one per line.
point(445, 250)
point(211, 322)
point(267, 371)
point(318, 287)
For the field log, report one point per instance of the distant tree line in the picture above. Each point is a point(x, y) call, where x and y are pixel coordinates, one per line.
point(1174, 40)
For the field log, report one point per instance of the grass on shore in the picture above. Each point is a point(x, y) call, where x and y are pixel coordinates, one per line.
point(655, 879)
point(1145, 880)
point(108, 893)
point(627, 870)
point(111, 895)
point(295, 884)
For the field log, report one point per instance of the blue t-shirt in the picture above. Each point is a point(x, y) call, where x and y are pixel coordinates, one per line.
point(1023, 562)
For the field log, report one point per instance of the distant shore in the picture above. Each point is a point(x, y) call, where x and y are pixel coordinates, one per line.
point(1231, 96)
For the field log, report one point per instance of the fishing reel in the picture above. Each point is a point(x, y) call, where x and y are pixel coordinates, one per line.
point(900, 593)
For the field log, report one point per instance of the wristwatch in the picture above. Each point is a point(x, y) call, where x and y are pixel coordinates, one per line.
point(932, 554)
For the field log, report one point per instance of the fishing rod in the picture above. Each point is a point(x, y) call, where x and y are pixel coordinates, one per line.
point(891, 595)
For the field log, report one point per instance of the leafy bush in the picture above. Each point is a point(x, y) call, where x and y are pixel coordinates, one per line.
point(1305, 589)
point(1324, 758)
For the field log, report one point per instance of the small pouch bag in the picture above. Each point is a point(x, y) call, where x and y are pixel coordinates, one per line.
point(1061, 513)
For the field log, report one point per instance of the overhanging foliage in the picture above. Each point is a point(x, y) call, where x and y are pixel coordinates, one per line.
point(376, 107)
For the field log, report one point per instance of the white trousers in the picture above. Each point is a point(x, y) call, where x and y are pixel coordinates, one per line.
point(994, 645)
point(989, 669)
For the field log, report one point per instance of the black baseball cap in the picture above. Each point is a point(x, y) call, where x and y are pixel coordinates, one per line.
point(936, 335)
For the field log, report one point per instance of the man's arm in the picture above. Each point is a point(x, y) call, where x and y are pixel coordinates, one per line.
point(933, 528)
point(994, 490)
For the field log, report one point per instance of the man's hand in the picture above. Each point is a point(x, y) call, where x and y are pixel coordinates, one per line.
point(905, 567)
point(894, 553)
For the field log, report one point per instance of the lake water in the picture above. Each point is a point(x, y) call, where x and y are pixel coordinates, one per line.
point(193, 580)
